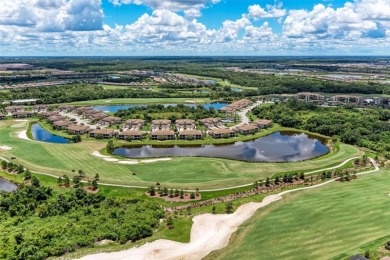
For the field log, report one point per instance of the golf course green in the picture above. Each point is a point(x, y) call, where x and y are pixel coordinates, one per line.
point(331, 222)
point(183, 172)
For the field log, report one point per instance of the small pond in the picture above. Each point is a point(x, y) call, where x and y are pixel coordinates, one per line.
point(7, 185)
point(40, 134)
point(115, 108)
point(277, 147)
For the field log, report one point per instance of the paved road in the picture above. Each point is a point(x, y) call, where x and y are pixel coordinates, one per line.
point(79, 120)
point(242, 114)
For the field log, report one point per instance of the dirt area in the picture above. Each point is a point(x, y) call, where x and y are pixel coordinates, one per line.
point(90, 190)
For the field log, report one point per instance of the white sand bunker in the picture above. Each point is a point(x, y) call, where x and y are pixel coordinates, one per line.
point(97, 154)
point(110, 159)
point(23, 135)
point(128, 162)
point(20, 120)
point(108, 101)
point(155, 160)
point(209, 232)
point(6, 148)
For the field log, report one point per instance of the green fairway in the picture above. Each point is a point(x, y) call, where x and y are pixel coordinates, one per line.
point(180, 172)
point(125, 101)
point(330, 222)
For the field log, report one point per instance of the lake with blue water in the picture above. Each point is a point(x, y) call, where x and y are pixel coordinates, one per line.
point(277, 147)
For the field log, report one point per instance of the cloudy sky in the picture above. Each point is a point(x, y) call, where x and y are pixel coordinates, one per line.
point(194, 27)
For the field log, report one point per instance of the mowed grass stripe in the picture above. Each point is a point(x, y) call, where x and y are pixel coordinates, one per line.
point(332, 221)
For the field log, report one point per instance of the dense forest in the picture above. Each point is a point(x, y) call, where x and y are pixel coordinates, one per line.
point(363, 127)
point(35, 224)
point(82, 92)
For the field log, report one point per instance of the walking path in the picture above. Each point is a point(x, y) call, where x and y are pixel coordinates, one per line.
point(209, 233)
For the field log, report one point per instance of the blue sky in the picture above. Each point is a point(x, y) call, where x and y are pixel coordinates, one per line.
point(195, 27)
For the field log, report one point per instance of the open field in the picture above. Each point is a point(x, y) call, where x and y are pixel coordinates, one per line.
point(125, 101)
point(331, 222)
point(222, 82)
point(183, 172)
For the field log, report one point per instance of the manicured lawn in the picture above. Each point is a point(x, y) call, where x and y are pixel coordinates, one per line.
point(183, 172)
point(124, 101)
point(331, 222)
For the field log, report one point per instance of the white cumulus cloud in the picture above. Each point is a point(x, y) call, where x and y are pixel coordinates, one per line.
point(270, 11)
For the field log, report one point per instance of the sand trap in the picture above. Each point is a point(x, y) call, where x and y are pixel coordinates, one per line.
point(128, 162)
point(23, 135)
point(110, 159)
point(6, 148)
point(97, 154)
point(108, 101)
point(20, 120)
point(190, 101)
point(209, 232)
point(155, 160)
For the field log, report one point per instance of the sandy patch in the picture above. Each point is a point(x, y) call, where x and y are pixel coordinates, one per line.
point(23, 135)
point(108, 101)
point(128, 162)
point(20, 120)
point(6, 148)
point(156, 160)
point(97, 154)
point(190, 101)
point(110, 159)
point(209, 232)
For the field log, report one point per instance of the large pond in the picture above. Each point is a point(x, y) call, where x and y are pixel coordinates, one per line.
point(115, 108)
point(40, 134)
point(7, 185)
point(277, 147)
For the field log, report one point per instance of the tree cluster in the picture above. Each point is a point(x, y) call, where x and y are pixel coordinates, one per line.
point(35, 224)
